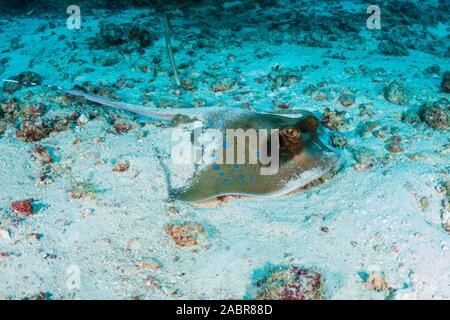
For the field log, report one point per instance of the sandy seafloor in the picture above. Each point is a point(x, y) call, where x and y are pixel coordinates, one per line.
point(370, 220)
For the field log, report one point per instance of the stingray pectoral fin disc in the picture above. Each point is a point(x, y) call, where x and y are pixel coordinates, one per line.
point(247, 180)
point(302, 159)
point(220, 180)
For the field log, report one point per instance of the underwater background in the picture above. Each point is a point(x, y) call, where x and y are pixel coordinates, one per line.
point(85, 211)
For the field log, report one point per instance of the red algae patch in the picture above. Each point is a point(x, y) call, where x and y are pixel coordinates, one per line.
point(23, 207)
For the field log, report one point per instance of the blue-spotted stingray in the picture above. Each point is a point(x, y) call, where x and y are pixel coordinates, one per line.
point(304, 159)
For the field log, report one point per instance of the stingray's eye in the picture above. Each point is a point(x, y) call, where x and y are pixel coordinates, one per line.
point(291, 132)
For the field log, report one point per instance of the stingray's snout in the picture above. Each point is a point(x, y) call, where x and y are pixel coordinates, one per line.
point(318, 155)
point(314, 153)
point(309, 124)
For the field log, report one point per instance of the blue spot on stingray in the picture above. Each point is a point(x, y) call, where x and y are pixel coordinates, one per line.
point(241, 176)
point(235, 166)
point(226, 144)
point(226, 180)
point(221, 174)
point(215, 167)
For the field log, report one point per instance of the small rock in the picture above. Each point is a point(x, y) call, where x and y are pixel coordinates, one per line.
point(333, 120)
point(31, 132)
point(437, 114)
point(198, 103)
point(43, 154)
point(347, 99)
point(98, 140)
point(410, 116)
point(33, 111)
point(434, 69)
point(4, 234)
point(24, 77)
point(364, 111)
point(391, 48)
point(320, 95)
point(171, 211)
point(3, 127)
point(23, 207)
point(223, 85)
point(445, 85)
point(40, 296)
point(188, 85)
point(376, 282)
point(149, 265)
point(369, 129)
point(108, 61)
point(82, 120)
point(121, 167)
point(288, 283)
point(309, 90)
point(283, 79)
point(395, 92)
point(446, 220)
point(122, 127)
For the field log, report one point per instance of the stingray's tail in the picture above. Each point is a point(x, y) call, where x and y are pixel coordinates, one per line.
point(145, 111)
